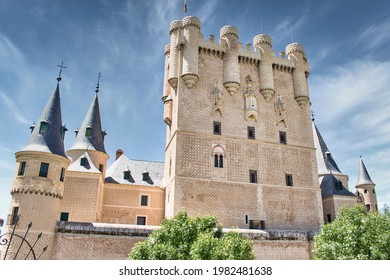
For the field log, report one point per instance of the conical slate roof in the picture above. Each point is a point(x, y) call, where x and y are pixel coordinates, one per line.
point(363, 177)
point(47, 135)
point(93, 139)
point(325, 161)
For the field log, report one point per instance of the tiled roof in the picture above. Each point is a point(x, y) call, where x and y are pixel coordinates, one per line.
point(92, 121)
point(363, 177)
point(50, 141)
point(115, 173)
point(330, 185)
point(325, 161)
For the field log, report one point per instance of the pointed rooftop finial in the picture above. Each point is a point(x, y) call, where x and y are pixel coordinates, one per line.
point(97, 85)
point(59, 74)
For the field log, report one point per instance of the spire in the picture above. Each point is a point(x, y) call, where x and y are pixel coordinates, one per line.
point(325, 161)
point(48, 133)
point(90, 135)
point(363, 177)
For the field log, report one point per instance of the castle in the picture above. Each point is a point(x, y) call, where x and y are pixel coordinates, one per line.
point(241, 144)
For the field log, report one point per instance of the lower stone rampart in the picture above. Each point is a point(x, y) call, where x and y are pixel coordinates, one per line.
point(97, 241)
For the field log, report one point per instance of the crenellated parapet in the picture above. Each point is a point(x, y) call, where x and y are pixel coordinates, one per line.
point(187, 44)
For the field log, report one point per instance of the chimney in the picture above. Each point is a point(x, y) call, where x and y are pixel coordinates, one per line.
point(119, 152)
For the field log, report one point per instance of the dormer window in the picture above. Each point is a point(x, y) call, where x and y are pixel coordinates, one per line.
point(327, 155)
point(83, 161)
point(88, 132)
point(63, 130)
point(145, 176)
point(126, 175)
point(44, 127)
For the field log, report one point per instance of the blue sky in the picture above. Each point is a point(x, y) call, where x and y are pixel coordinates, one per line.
point(347, 44)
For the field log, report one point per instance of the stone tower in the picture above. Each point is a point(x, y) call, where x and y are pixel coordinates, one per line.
point(38, 183)
point(239, 141)
point(366, 188)
point(85, 176)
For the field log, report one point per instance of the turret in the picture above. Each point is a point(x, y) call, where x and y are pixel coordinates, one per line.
point(174, 31)
point(296, 53)
point(263, 43)
point(366, 188)
point(90, 137)
point(231, 69)
point(191, 26)
point(83, 195)
point(38, 184)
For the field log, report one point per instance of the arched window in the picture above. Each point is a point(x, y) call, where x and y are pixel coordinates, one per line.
point(218, 153)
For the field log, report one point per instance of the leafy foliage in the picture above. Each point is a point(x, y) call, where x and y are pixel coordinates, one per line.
point(185, 238)
point(355, 235)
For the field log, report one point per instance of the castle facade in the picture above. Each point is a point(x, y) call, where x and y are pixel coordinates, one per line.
point(241, 144)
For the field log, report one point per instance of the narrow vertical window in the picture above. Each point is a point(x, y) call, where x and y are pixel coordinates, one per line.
point(221, 161)
point(144, 200)
point(253, 176)
point(216, 161)
point(15, 216)
point(368, 207)
point(282, 137)
point(22, 168)
point(289, 180)
point(44, 169)
point(328, 216)
point(101, 167)
point(217, 128)
point(251, 132)
point(62, 176)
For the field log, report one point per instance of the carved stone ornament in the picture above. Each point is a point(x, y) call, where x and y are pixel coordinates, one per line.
point(280, 111)
point(217, 102)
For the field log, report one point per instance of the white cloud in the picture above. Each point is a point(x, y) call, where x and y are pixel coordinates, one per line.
point(375, 35)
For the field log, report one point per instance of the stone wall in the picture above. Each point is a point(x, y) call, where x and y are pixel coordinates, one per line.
point(92, 241)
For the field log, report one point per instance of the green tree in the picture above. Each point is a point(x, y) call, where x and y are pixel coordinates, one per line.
point(354, 235)
point(185, 238)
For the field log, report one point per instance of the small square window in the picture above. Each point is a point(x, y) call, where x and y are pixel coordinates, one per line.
point(64, 216)
point(126, 175)
point(141, 221)
point(44, 169)
point(44, 127)
point(365, 191)
point(289, 180)
point(282, 137)
point(62, 176)
point(251, 132)
point(88, 132)
point(253, 176)
point(217, 128)
point(144, 200)
point(22, 168)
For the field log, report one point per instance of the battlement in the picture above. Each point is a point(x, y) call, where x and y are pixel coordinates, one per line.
point(187, 44)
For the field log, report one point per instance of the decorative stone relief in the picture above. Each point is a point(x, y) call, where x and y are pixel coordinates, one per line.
point(217, 102)
point(280, 112)
point(250, 101)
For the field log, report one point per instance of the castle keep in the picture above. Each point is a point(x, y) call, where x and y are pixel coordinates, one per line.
point(241, 144)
